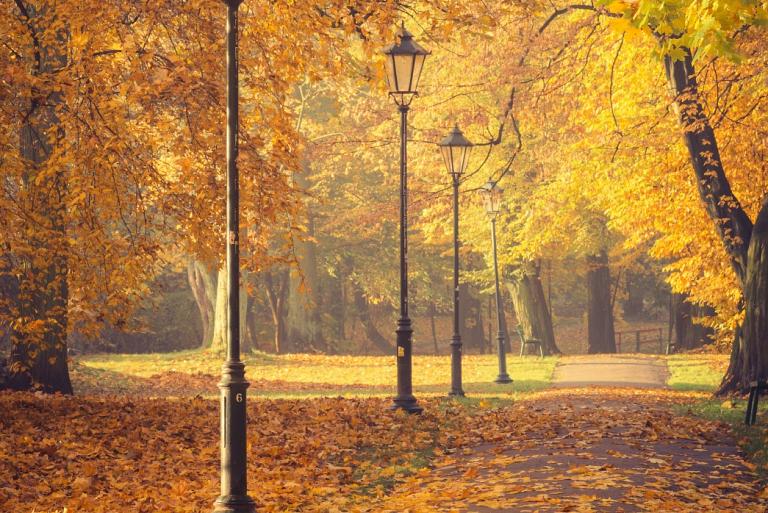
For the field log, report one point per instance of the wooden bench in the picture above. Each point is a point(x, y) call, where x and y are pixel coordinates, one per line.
point(527, 342)
point(755, 387)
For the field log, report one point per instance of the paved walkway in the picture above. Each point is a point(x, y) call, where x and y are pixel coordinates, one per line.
point(636, 371)
point(589, 450)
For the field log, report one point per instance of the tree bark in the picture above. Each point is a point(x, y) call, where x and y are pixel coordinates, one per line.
point(732, 224)
point(470, 319)
point(688, 334)
point(633, 305)
point(39, 337)
point(219, 334)
point(755, 328)
point(218, 338)
point(303, 323)
point(203, 282)
point(601, 336)
point(433, 328)
point(364, 314)
point(530, 306)
point(277, 290)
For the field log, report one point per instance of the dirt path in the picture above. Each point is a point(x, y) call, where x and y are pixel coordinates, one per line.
point(596, 450)
point(637, 371)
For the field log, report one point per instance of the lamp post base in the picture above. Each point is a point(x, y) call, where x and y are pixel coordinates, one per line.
point(234, 504)
point(503, 379)
point(405, 399)
point(409, 405)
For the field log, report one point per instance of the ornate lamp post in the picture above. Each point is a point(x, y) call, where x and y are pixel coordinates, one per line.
point(455, 149)
point(234, 490)
point(492, 196)
point(404, 62)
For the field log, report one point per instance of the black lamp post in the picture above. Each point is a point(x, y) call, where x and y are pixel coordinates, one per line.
point(455, 149)
point(492, 196)
point(234, 489)
point(404, 62)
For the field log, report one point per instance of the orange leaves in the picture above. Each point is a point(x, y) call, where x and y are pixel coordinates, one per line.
point(582, 453)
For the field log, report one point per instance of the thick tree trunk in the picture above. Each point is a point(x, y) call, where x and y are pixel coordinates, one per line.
point(39, 335)
point(754, 364)
point(601, 337)
point(731, 222)
point(364, 314)
point(688, 334)
point(530, 306)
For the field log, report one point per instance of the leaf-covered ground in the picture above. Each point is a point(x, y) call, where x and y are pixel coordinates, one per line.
point(557, 450)
point(189, 373)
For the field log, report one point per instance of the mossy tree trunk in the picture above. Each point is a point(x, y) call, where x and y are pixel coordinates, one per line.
point(530, 305)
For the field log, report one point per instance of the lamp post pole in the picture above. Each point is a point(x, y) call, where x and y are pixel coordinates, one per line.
point(455, 150)
point(503, 377)
point(405, 399)
point(456, 387)
point(404, 61)
point(234, 489)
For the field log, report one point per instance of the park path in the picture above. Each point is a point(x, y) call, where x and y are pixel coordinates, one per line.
point(612, 370)
point(582, 446)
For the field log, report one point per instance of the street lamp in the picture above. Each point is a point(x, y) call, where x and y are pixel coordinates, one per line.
point(234, 489)
point(492, 196)
point(455, 150)
point(404, 62)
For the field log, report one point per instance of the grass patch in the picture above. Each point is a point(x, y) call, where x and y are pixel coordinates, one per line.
point(304, 376)
point(696, 372)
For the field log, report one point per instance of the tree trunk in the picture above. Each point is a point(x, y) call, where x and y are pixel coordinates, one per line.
point(633, 305)
point(277, 290)
point(530, 306)
point(731, 222)
point(364, 314)
point(433, 328)
point(688, 334)
point(39, 335)
point(218, 338)
point(601, 337)
point(470, 319)
point(219, 335)
point(203, 282)
point(754, 364)
point(303, 324)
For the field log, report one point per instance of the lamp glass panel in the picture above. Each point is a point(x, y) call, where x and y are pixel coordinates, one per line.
point(418, 64)
point(465, 151)
point(446, 152)
point(488, 199)
point(403, 70)
point(391, 76)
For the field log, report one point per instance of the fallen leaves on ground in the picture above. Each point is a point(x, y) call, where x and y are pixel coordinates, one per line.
point(559, 451)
